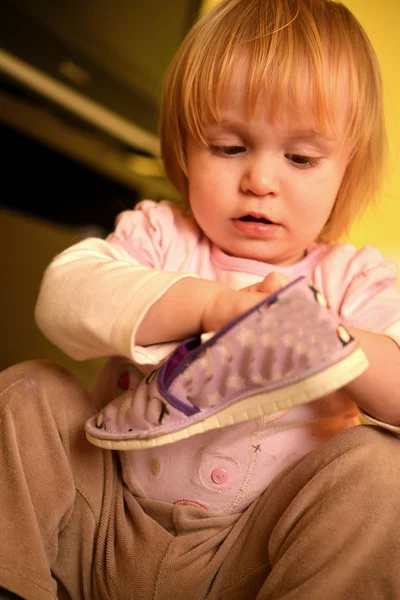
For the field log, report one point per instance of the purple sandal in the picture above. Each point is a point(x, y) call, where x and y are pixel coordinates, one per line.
point(290, 349)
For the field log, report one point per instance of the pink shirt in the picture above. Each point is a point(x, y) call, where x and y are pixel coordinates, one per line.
point(95, 294)
point(358, 284)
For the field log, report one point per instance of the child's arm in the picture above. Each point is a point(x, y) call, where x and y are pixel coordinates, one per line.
point(377, 390)
point(199, 305)
point(96, 300)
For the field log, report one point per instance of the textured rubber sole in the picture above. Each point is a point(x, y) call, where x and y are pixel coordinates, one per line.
point(253, 407)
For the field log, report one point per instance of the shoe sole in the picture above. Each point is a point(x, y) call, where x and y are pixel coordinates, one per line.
point(253, 407)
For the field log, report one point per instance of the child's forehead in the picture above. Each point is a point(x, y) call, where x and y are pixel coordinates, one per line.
point(236, 101)
point(241, 100)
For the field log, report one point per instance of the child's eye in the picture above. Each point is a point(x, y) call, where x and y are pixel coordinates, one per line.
point(303, 161)
point(228, 150)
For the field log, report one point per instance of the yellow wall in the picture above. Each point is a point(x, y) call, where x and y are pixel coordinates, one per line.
point(380, 225)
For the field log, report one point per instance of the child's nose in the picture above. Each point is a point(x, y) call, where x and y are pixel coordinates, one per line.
point(260, 178)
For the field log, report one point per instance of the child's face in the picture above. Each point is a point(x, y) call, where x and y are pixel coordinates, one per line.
point(263, 191)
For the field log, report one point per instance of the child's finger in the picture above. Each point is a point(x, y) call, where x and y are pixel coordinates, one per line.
point(273, 282)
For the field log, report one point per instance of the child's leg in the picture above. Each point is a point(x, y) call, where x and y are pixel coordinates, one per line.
point(69, 528)
point(52, 483)
point(326, 528)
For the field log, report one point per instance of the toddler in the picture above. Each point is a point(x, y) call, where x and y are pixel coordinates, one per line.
point(272, 130)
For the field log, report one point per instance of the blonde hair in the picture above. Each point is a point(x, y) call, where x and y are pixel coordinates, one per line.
point(285, 43)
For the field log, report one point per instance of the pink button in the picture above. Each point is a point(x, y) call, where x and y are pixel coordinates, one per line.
point(219, 476)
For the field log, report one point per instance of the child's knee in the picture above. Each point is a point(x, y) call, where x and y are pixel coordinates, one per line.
point(21, 380)
point(37, 381)
point(379, 455)
point(370, 468)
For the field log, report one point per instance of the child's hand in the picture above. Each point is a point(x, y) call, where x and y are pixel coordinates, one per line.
point(270, 284)
point(228, 304)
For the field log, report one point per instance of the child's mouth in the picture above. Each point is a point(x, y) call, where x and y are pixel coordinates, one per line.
point(252, 219)
point(256, 226)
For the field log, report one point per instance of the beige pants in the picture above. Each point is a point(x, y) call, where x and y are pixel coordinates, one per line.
point(327, 529)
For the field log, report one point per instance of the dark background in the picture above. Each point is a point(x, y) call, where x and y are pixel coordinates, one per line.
point(65, 176)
